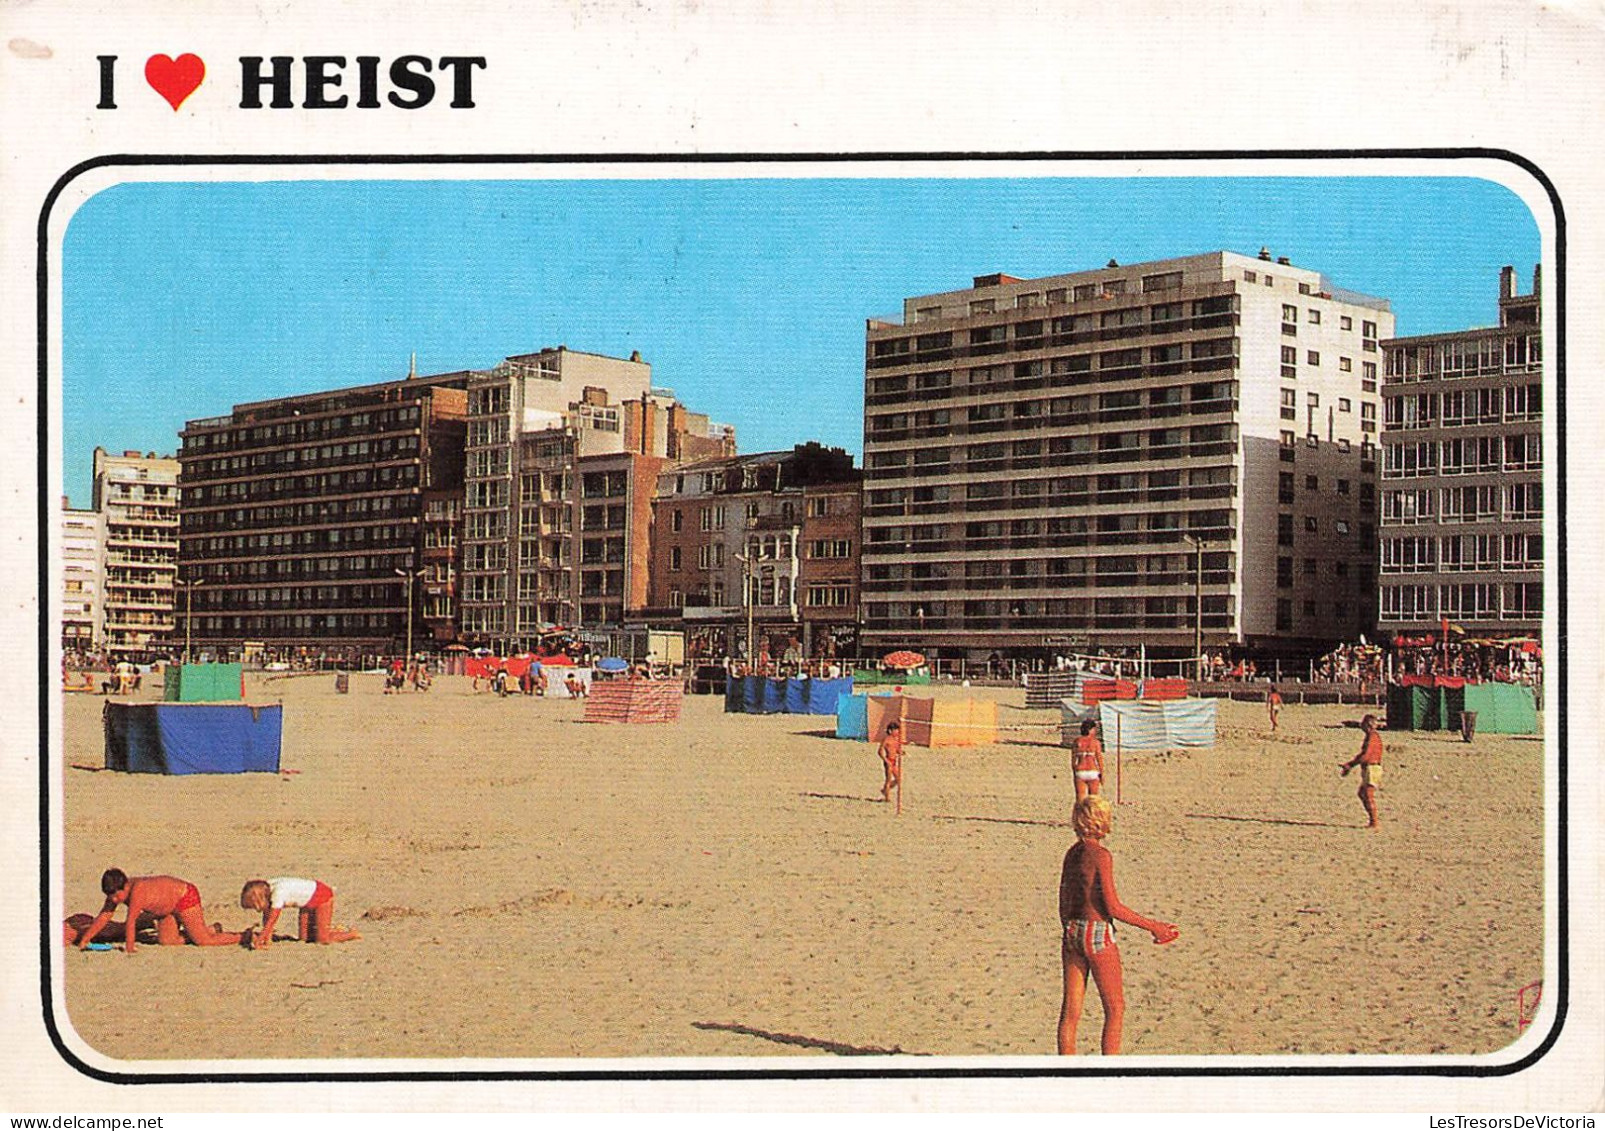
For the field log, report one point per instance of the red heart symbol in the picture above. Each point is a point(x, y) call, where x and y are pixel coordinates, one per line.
point(174, 79)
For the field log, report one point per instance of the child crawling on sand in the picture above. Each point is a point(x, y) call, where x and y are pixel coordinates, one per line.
point(1088, 907)
point(172, 904)
point(314, 899)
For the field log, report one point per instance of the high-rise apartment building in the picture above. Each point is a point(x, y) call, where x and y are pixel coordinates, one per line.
point(771, 538)
point(137, 498)
point(1462, 476)
point(304, 519)
point(82, 547)
point(1072, 462)
point(564, 450)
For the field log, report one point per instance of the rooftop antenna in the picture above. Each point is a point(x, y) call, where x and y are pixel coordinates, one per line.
point(412, 366)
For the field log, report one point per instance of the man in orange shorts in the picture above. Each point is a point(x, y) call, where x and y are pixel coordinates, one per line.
point(172, 902)
point(1369, 759)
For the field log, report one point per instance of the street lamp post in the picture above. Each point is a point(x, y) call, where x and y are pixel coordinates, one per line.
point(189, 610)
point(748, 560)
point(410, 575)
point(1198, 605)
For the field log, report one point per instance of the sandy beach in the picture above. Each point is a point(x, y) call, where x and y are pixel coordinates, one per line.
point(531, 886)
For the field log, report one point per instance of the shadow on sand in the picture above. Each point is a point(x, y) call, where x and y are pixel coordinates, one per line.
point(843, 797)
point(1271, 821)
point(835, 1048)
point(1002, 820)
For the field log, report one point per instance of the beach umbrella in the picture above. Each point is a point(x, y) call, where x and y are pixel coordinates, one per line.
point(903, 659)
point(612, 664)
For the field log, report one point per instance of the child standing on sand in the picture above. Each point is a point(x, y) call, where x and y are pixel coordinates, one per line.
point(1273, 706)
point(891, 754)
point(1088, 907)
point(314, 899)
point(1087, 761)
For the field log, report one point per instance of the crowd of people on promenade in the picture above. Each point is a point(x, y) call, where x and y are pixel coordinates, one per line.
point(1477, 661)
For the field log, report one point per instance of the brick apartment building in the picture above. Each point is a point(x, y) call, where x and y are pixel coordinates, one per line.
point(772, 535)
point(302, 524)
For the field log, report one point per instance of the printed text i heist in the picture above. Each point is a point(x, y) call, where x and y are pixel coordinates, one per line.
point(407, 82)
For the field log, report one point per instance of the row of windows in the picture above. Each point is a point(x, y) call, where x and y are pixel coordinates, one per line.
point(1460, 552)
point(306, 428)
point(321, 624)
point(350, 511)
point(1285, 481)
point(1060, 370)
point(1368, 451)
point(1515, 502)
point(1461, 407)
point(1469, 455)
point(1123, 521)
point(1115, 447)
point(490, 432)
point(1055, 488)
point(386, 593)
point(1475, 600)
point(1165, 567)
point(1362, 578)
point(291, 486)
point(1070, 611)
point(604, 484)
point(288, 542)
point(322, 567)
point(1213, 396)
point(1083, 292)
point(351, 451)
point(1340, 610)
point(1340, 527)
point(1460, 358)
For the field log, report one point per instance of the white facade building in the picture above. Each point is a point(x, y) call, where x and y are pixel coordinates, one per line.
point(1067, 462)
point(82, 550)
point(137, 497)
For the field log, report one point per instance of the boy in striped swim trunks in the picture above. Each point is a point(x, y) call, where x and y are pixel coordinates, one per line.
point(313, 898)
point(1088, 907)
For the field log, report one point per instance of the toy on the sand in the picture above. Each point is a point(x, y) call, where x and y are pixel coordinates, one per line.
point(313, 898)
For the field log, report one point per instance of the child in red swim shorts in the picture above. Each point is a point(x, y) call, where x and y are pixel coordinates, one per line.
point(171, 902)
point(313, 898)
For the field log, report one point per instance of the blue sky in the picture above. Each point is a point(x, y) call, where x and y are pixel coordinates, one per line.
point(748, 297)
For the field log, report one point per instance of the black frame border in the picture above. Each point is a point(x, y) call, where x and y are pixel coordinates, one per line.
point(47, 513)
